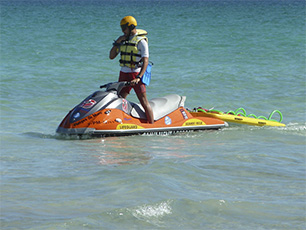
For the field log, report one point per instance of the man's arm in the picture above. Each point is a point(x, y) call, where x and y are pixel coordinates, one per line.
point(144, 66)
point(114, 50)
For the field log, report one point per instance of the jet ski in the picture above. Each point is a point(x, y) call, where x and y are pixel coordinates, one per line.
point(105, 113)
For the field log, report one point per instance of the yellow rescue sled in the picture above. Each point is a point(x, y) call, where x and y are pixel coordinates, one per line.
point(239, 116)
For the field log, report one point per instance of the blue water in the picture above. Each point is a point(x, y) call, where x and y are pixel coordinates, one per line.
point(221, 54)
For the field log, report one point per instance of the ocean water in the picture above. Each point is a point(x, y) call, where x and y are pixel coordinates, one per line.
point(222, 54)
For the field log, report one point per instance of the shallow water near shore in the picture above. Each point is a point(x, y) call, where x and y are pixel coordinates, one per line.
point(221, 54)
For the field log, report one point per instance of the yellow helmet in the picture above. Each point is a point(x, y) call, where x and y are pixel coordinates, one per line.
point(128, 21)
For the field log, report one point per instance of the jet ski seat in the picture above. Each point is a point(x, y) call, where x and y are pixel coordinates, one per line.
point(161, 106)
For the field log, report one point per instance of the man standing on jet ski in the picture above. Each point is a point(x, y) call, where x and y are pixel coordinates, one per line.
point(134, 52)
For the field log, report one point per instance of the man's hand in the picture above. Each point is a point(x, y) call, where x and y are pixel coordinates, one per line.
point(135, 81)
point(114, 50)
point(121, 39)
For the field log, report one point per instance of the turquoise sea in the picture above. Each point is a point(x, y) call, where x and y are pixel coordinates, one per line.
point(224, 54)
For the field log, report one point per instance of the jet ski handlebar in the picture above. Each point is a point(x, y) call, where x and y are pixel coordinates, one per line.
point(125, 83)
point(115, 86)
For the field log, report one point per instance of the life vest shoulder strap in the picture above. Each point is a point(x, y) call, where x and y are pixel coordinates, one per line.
point(141, 32)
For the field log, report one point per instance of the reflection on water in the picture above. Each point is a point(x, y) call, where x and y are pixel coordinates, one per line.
point(119, 151)
point(141, 149)
point(122, 158)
